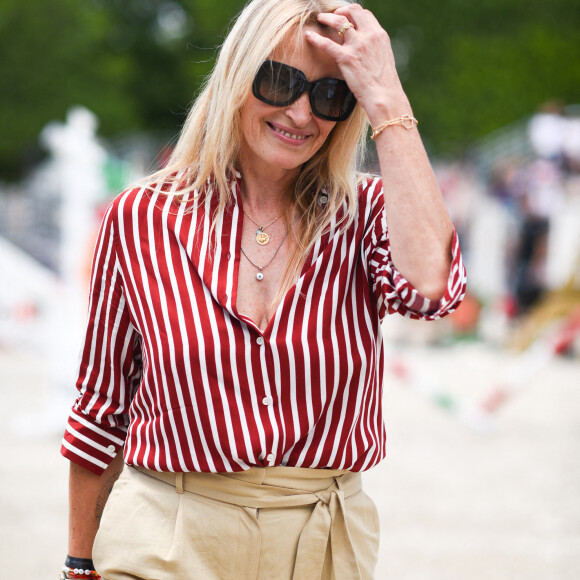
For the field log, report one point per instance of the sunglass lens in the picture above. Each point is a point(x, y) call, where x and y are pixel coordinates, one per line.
point(333, 100)
point(278, 84)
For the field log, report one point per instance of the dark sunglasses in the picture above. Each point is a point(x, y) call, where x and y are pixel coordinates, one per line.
point(280, 85)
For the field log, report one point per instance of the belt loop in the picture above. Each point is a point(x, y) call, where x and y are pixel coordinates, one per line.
point(179, 482)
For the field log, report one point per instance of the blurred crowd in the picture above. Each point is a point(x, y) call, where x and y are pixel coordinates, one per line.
point(519, 222)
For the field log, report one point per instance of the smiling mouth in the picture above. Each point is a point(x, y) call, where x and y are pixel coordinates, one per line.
point(286, 134)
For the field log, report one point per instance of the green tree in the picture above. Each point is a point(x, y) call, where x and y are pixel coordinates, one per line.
point(54, 55)
point(470, 68)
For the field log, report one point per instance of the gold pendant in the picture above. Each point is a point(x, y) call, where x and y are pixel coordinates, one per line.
point(262, 237)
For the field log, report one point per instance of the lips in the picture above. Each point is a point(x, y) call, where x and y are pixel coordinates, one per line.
point(296, 137)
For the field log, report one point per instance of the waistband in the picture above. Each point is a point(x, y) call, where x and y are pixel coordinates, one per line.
point(287, 487)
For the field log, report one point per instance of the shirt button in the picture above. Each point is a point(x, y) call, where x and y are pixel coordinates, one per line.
point(260, 340)
point(270, 457)
point(111, 449)
point(267, 400)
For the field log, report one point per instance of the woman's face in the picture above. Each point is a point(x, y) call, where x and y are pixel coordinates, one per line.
point(277, 141)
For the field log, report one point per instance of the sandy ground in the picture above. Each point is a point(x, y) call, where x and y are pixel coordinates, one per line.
point(454, 502)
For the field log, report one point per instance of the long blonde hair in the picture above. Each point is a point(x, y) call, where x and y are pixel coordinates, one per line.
point(210, 141)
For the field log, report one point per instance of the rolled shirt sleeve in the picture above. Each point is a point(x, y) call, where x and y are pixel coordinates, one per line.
point(392, 291)
point(109, 366)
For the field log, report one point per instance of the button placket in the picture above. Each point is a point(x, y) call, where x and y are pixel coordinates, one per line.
point(267, 456)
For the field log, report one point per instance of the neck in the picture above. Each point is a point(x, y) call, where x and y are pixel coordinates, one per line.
point(265, 193)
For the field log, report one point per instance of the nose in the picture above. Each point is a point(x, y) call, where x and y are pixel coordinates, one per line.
point(299, 111)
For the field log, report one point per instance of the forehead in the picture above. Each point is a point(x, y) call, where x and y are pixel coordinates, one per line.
point(296, 51)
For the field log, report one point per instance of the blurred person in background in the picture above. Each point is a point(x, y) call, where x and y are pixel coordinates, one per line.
point(232, 367)
point(547, 131)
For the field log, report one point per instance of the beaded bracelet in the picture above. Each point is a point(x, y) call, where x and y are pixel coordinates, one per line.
point(78, 568)
point(75, 573)
point(406, 121)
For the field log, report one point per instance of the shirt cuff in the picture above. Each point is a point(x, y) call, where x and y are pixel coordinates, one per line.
point(411, 303)
point(92, 446)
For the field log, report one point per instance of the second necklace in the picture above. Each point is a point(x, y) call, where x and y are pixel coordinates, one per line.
point(260, 274)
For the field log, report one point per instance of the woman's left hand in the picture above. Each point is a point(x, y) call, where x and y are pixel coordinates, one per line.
point(365, 58)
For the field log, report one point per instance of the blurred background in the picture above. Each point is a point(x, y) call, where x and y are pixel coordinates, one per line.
point(483, 407)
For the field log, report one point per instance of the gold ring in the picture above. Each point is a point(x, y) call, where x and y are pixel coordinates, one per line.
point(343, 28)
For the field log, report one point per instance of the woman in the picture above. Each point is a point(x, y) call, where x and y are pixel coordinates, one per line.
point(233, 351)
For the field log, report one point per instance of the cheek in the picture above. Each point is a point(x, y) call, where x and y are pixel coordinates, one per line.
point(325, 128)
point(250, 121)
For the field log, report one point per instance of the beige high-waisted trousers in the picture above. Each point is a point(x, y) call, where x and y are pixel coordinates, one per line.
point(273, 523)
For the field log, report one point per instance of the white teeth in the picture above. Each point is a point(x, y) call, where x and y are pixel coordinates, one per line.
point(286, 134)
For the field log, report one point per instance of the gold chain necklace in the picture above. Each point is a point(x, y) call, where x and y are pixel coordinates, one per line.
point(260, 275)
point(262, 237)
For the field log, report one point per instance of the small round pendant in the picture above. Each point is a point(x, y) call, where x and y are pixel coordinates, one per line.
point(262, 238)
point(259, 276)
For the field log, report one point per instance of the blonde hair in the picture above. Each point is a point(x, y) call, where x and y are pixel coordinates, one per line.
point(210, 140)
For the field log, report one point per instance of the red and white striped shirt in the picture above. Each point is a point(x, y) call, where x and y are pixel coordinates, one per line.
point(171, 370)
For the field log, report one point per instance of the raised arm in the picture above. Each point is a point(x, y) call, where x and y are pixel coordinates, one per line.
point(420, 230)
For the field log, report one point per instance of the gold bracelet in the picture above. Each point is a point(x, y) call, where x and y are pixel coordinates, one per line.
point(405, 120)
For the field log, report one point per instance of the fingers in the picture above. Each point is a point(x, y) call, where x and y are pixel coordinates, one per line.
point(340, 23)
point(354, 24)
point(333, 48)
point(355, 14)
point(363, 52)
